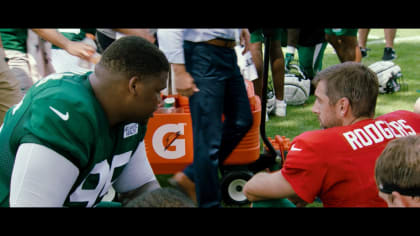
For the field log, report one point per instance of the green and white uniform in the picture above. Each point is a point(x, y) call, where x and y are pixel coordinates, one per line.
point(14, 39)
point(62, 61)
point(280, 34)
point(61, 113)
point(16, 50)
point(75, 35)
point(311, 47)
point(342, 31)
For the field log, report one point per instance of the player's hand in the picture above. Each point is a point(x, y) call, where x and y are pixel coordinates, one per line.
point(289, 58)
point(81, 50)
point(184, 82)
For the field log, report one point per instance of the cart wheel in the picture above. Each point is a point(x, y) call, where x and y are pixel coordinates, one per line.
point(232, 185)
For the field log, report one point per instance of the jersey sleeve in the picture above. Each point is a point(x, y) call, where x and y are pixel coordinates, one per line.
point(66, 126)
point(137, 172)
point(305, 169)
point(32, 186)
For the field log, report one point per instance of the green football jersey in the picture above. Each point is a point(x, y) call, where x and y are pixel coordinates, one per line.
point(62, 113)
point(14, 39)
point(76, 37)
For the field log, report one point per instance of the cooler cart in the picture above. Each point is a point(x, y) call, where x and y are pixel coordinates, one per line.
point(169, 142)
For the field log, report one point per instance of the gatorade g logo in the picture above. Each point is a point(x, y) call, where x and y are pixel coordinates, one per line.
point(167, 143)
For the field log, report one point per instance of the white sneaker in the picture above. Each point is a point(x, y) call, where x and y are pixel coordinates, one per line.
point(271, 102)
point(280, 108)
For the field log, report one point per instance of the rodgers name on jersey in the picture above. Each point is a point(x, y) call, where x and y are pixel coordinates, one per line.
point(377, 132)
point(61, 112)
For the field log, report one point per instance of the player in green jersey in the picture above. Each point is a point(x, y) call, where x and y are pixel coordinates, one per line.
point(344, 41)
point(311, 44)
point(74, 135)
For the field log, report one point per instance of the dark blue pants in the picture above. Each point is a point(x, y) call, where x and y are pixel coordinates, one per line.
point(222, 91)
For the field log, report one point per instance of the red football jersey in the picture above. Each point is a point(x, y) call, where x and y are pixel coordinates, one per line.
point(338, 164)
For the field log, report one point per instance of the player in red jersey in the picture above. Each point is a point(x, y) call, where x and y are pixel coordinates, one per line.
point(337, 163)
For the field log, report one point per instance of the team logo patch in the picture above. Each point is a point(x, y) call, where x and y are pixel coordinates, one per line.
point(167, 143)
point(131, 129)
point(64, 117)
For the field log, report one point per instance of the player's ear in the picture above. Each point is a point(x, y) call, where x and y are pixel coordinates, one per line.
point(343, 106)
point(133, 85)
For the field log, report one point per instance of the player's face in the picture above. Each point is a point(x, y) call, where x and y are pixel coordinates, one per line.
point(323, 109)
point(149, 97)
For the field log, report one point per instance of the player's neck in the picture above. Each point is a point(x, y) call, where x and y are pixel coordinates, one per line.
point(106, 101)
point(354, 120)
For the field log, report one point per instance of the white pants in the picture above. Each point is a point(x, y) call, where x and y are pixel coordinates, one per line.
point(23, 67)
point(9, 88)
point(63, 61)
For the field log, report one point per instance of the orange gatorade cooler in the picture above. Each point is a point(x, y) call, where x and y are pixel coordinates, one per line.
point(169, 137)
point(248, 149)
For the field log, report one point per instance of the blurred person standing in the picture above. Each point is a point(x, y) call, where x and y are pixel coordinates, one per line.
point(344, 41)
point(9, 86)
point(39, 54)
point(389, 51)
point(62, 61)
point(277, 66)
point(310, 44)
point(205, 69)
point(15, 48)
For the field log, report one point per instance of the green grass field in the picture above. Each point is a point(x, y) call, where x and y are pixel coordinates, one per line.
point(407, 46)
